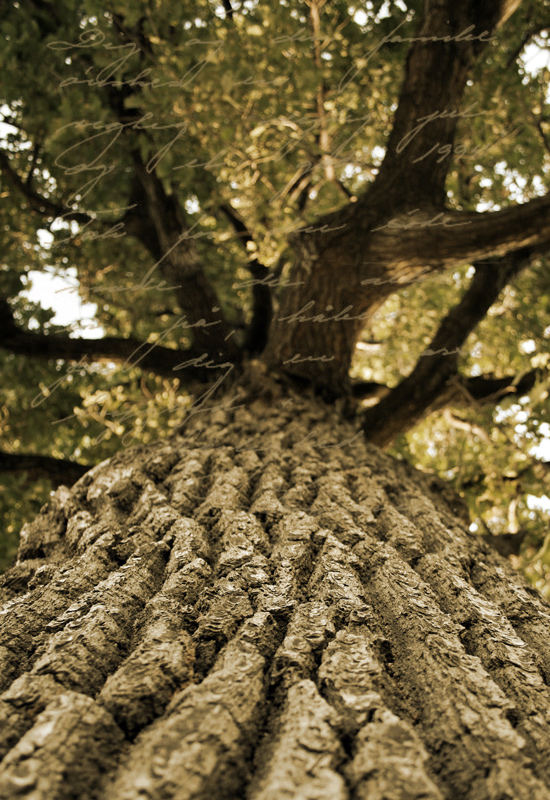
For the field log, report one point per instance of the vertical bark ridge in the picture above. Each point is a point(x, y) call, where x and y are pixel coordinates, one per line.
point(187, 482)
point(386, 756)
point(87, 642)
point(307, 731)
point(196, 748)
point(266, 606)
point(465, 727)
point(489, 574)
point(487, 633)
point(65, 753)
point(529, 616)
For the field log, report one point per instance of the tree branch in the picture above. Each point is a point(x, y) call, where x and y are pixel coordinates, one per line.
point(323, 136)
point(486, 389)
point(529, 34)
point(368, 390)
point(480, 389)
point(374, 245)
point(186, 364)
point(465, 425)
point(179, 264)
point(544, 138)
point(444, 48)
point(539, 469)
point(262, 313)
point(433, 382)
point(228, 9)
point(427, 242)
point(148, 356)
point(42, 205)
point(34, 161)
point(300, 185)
point(57, 470)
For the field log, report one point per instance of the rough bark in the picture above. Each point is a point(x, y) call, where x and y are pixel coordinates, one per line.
point(347, 267)
point(265, 606)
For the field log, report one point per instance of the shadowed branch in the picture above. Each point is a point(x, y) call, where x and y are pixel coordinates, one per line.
point(57, 470)
point(434, 382)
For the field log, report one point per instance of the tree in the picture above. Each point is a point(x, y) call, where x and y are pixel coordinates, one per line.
point(263, 603)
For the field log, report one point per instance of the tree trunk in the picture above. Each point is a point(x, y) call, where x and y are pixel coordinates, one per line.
point(267, 607)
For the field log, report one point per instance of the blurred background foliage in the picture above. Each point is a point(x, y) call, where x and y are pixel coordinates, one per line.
point(223, 108)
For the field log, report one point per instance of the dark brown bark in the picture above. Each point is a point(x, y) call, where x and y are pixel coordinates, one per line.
point(450, 37)
point(266, 606)
point(57, 470)
point(484, 389)
point(228, 9)
point(413, 244)
point(348, 266)
point(189, 365)
point(323, 307)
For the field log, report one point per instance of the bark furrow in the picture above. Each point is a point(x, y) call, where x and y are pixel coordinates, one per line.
point(266, 607)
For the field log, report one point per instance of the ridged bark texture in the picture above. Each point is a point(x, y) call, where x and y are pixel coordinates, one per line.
point(267, 608)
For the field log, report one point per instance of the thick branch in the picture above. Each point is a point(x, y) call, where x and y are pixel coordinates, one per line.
point(368, 390)
point(424, 241)
point(262, 312)
point(57, 470)
point(374, 260)
point(180, 266)
point(375, 252)
point(433, 382)
point(485, 389)
point(152, 357)
point(464, 390)
point(442, 53)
